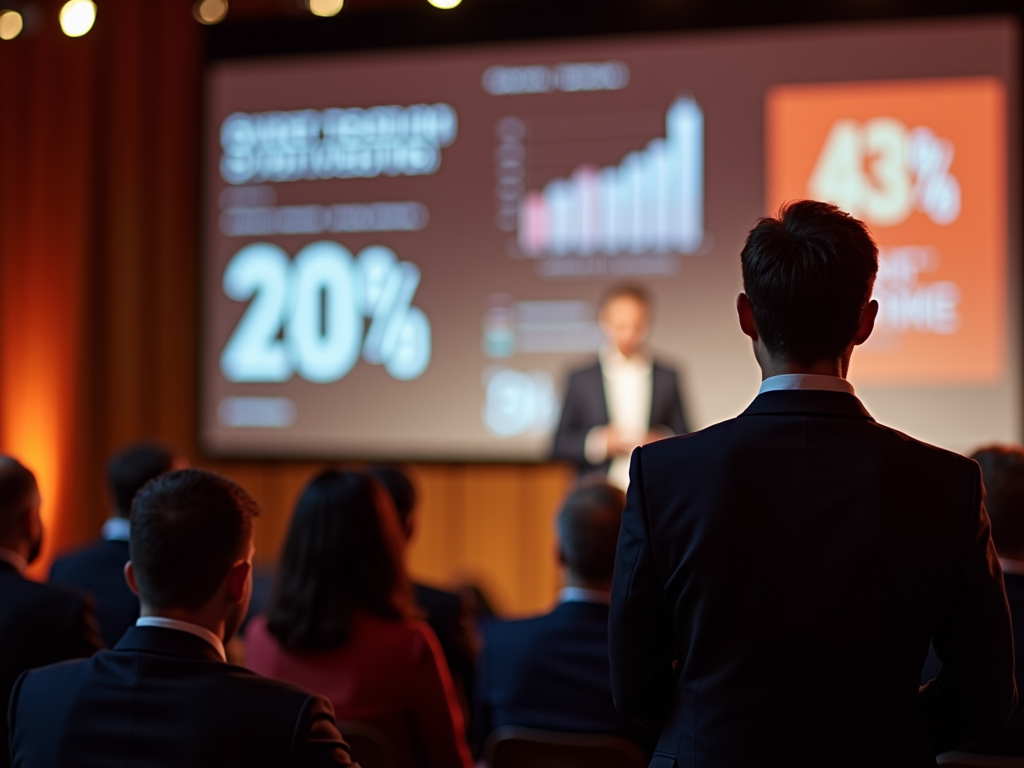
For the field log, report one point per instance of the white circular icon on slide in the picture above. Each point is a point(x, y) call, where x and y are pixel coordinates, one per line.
point(517, 402)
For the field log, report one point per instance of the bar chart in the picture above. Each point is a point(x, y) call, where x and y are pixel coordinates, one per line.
point(651, 202)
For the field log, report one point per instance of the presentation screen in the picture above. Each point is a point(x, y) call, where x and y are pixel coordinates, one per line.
point(405, 251)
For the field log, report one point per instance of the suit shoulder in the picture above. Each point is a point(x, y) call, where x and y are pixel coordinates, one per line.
point(941, 459)
point(586, 371)
point(661, 368)
point(50, 595)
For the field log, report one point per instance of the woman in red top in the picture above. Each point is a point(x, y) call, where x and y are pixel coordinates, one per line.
point(339, 623)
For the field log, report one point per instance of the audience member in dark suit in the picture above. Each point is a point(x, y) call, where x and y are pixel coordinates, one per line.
point(756, 552)
point(624, 399)
point(38, 624)
point(551, 671)
point(1002, 467)
point(99, 568)
point(165, 697)
point(447, 612)
point(340, 623)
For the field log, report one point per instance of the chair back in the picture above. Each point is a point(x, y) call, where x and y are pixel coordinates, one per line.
point(513, 747)
point(368, 745)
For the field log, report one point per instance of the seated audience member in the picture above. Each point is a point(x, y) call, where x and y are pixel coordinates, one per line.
point(339, 623)
point(164, 697)
point(551, 672)
point(446, 612)
point(38, 624)
point(1002, 468)
point(99, 568)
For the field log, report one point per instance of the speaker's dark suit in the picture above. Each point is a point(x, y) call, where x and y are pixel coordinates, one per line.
point(38, 625)
point(99, 570)
point(757, 552)
point(551, 672)
point(586, 407)
point(164, 699)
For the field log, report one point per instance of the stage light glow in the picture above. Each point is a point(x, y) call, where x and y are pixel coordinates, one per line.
point(77, 17)
point(444, 4)
point(325, 7)
point(210, 11)
point(11, 25)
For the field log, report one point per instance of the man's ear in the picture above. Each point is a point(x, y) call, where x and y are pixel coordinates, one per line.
point(129, 576)
point(867, 322)
point(236, 581)
point(561, 554)
point(746, 315)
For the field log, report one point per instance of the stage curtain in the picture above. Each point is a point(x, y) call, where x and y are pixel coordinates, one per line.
point(99, 251)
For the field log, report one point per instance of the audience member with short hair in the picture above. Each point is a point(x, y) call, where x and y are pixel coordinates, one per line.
point(756, 552)
point(551, 672)
point(99, 568)
point(165, 697)
point(39, 624)
point(339, 623)
point(446, 612)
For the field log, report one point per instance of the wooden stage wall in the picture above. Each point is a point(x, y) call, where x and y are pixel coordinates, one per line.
point(99, 211)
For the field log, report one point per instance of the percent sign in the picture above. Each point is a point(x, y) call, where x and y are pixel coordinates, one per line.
point(399, 333)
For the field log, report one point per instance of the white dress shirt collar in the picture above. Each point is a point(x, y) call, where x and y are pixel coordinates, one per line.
point(612, 358)
point(805, 381)
point(185, 626)
point(117, 529)
point(581, 595)
point(12, 558)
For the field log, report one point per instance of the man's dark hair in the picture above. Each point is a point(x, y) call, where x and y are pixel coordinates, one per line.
point(1002, 468)
point(626, 291)
point(399, 487)
point(131, 468)
point(188, 528)
point(343, 552)
point(808, 275)
point(588, 530)
point(17, 486)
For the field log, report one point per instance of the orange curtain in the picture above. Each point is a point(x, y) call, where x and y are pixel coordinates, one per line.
point(93, 192)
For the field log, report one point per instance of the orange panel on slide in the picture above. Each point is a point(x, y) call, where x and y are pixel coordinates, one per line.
point(923, 163)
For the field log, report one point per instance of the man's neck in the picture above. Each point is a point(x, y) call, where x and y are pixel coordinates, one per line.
point(771, 367)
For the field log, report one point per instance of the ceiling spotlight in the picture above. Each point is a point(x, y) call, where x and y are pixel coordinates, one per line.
point(77, 17)
point(445, 4)
point(325, 7)
point(11, 25)
point(210, 11)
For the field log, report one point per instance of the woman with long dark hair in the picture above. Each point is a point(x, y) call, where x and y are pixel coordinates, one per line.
point(340, 624)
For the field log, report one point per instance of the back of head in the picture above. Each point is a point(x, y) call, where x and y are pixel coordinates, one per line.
point(1002, 468)
point(188, 528)
point(343, 552)
point(18, 492)
point(808, 274)
point(399, 487)
point(588, 530)
point(131, 468)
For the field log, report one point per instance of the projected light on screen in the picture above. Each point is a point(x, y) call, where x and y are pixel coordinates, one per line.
point(653, 201)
